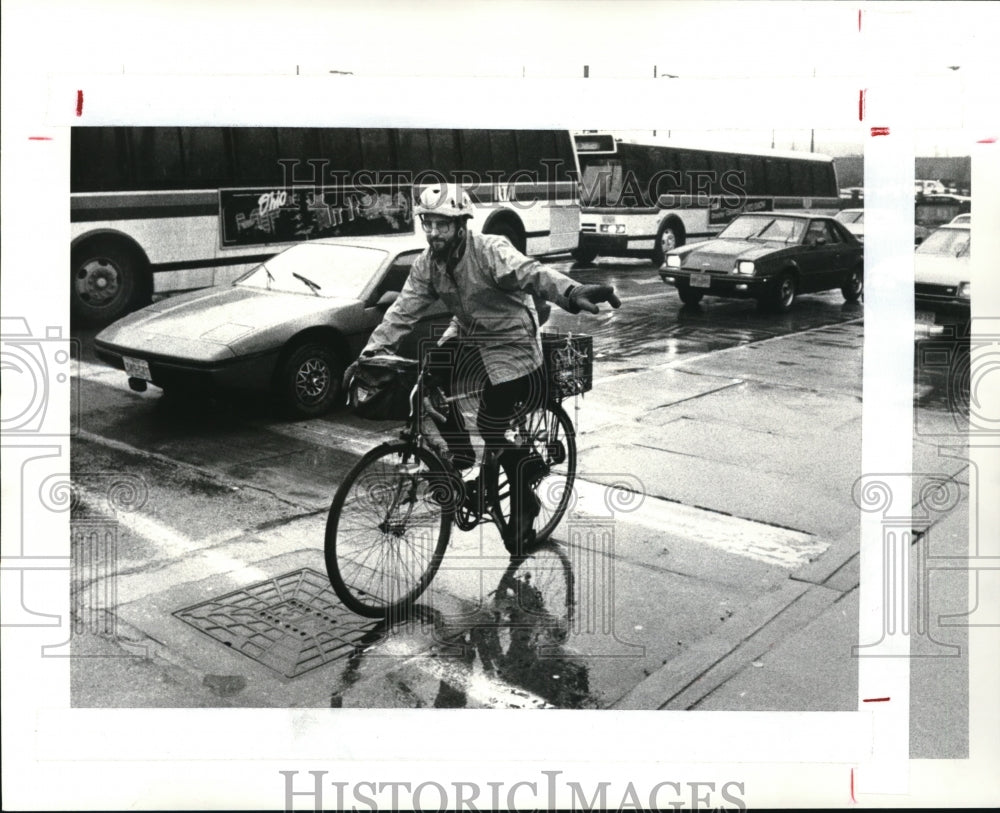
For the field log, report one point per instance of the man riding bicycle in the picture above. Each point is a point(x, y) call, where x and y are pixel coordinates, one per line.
point(493, 341)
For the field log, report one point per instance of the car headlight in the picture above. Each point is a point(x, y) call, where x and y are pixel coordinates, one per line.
point(965, 290)
point(744, 267)
point(673, 261)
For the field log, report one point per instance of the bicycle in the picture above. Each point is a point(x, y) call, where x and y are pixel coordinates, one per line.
point(391, 519)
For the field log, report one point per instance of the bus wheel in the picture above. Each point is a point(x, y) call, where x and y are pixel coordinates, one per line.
point(670, 236)
point(308, 381)
point(106, 282)
point(512, 235)
point(585, 256)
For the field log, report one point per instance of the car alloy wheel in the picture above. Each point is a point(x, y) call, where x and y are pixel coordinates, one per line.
point(784, 293)
point(312, 380)
point(308, 380)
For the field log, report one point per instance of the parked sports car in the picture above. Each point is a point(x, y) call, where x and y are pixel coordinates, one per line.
point(290, 326)
point(771, 257)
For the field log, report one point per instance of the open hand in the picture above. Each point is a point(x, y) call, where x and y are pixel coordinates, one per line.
point(587, 298)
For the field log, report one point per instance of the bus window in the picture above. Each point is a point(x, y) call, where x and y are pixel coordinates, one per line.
point(475, 148)
point(206, 159)
point(255, 150)
point(414, 152)
point(720, 163)
point(300, 144)
point(602, 183)
point(801, 177)
point(504, 152)
point(565, 155)
point(754, 182)
point(695, 165)
point(444, 153)
point(96, 158)
point(778, 177)
point(157, 155)
point(531, 146)
point(824, 180)
point(376, 150)
point(342, 146)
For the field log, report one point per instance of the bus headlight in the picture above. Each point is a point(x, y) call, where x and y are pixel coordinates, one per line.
point(965, 290)
point(744, 267)
point(673, 261)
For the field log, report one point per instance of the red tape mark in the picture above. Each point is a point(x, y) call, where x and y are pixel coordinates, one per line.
point(859, 21)
point(39, 138)
point(79, 103)
point(877, 131)
point(861, 104)
point(875, 700)
point(852, 787)
point(990, 140)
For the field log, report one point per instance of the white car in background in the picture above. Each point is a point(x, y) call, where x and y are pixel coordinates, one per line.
point(942, 276)
point(853, 220)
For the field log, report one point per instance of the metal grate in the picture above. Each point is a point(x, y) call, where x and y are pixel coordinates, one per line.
point(291, 624)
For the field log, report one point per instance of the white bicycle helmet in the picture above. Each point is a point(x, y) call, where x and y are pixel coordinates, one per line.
point(445, 200)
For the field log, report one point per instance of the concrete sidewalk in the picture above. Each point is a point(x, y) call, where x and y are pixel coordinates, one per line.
point(733, 541)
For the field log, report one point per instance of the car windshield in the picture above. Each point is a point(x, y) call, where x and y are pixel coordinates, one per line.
point(947, 243)
point(764, 227)
point(319, 269)
point(850, 217)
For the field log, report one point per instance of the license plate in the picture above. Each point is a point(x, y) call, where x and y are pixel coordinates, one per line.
point(137, 368)
point(700, 281)
point(925, 317)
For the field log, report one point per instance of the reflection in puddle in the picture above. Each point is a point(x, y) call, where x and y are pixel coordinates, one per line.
point(511, 653)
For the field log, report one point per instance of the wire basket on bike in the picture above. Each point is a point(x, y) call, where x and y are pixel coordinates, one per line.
point(569, 363)
point(382, 387)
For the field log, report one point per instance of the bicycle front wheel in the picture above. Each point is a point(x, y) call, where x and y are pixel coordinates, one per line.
point(549, 433)
point(388, 529)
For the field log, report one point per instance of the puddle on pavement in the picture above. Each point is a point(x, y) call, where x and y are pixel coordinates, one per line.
point(511, 652)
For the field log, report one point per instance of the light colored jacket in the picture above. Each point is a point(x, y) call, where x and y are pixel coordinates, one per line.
point(490, 294)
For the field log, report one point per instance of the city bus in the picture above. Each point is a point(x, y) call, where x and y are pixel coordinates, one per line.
point(642, 198)
point(166, 209)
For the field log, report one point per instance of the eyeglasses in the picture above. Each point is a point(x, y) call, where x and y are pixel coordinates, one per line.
point(442, 226)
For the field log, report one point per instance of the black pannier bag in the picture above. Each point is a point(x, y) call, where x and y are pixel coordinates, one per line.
point(380, 390)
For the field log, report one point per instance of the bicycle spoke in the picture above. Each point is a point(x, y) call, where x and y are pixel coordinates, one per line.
point(386, 532)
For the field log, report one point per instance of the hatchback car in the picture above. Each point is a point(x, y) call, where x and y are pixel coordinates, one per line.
point(942, 276)
point(289, 327)
point(771, 257)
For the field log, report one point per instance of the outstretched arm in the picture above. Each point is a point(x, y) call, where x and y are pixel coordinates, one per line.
point(513, 270)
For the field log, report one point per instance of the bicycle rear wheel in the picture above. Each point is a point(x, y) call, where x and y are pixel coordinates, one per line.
point(388, 529)
point(549, 433)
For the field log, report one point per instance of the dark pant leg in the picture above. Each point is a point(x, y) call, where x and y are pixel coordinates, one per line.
point(501, 403)
point(457, 367)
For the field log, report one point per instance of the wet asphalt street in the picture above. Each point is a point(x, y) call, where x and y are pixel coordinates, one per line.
point(699, 518)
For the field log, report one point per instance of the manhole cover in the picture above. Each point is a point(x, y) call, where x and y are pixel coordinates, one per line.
point(291, 624)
